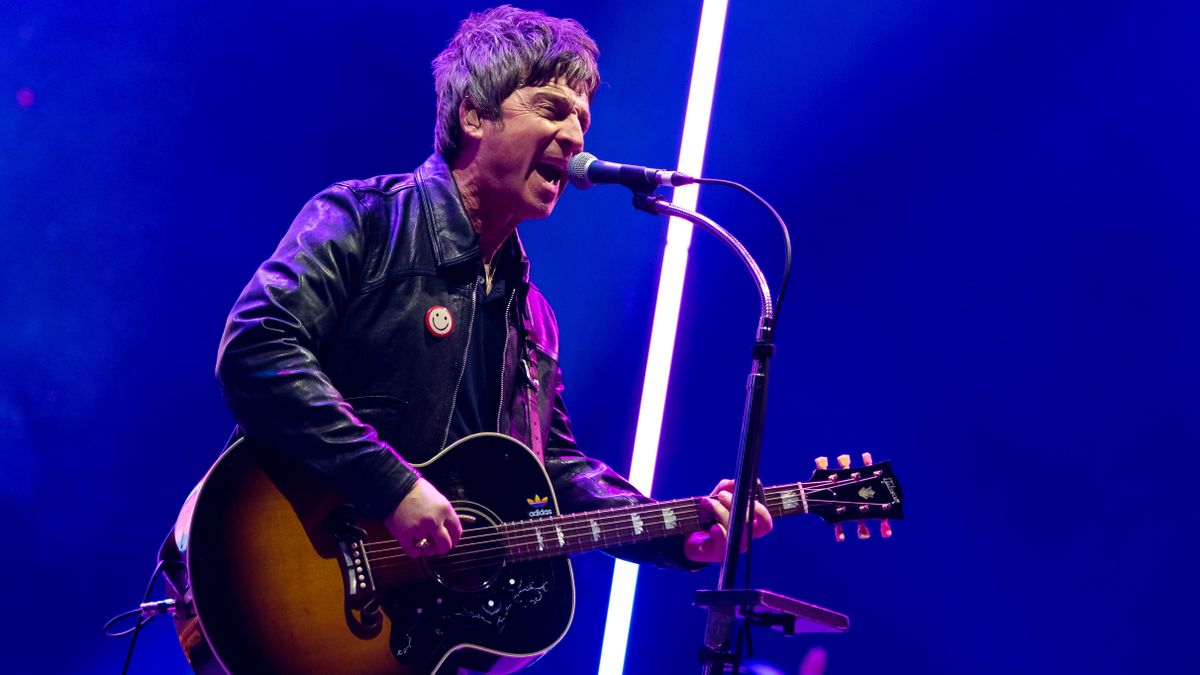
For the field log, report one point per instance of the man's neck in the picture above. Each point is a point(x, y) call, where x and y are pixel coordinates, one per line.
point(493, 228)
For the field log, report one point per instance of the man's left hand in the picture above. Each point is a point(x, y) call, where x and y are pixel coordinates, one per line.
point(709, 545)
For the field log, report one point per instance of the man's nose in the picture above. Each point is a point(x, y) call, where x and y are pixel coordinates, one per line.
point(571, 136)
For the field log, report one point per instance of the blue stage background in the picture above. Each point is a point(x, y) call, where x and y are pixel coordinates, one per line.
point(995, 213)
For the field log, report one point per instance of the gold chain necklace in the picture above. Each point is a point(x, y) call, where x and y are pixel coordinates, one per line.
point(489, 273)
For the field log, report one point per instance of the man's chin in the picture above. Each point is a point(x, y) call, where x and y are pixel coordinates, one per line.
point(540, 211)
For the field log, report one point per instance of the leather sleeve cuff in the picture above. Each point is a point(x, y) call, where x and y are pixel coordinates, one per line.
point(665, 553)
point(381, 489)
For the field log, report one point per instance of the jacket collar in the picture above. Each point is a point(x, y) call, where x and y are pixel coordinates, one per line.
point(454, 240)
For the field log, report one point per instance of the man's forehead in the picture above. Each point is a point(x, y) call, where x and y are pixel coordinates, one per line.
point(560, 87)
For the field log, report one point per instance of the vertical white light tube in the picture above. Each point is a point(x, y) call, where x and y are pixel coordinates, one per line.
point(666, 317)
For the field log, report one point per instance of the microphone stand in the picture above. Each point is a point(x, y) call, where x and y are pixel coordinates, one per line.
point(727, 602)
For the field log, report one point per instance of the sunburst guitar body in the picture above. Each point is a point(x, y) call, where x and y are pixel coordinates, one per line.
point(273, 572)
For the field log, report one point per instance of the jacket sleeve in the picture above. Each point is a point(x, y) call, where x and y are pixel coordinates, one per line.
point(269, 366)
point(582, 484)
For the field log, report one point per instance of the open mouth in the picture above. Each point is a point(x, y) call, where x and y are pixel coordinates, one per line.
point(553, 174)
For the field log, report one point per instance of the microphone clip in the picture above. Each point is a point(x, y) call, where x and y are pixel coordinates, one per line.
point(647, 201)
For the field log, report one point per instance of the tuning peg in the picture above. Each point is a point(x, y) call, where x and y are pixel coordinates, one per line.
point(844, 461)
point(867, 461)
point(822, 463)
point(838, 533)
point(863, 532)
point(885, 529)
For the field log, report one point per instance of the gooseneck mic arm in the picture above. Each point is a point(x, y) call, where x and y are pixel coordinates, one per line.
point(584, 170)
point(718, 634)
point(655, 204)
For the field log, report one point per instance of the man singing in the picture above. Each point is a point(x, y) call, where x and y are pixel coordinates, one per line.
point(397, 315)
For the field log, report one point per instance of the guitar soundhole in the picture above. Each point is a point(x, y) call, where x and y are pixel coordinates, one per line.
point(467, 573)
point(477, 561)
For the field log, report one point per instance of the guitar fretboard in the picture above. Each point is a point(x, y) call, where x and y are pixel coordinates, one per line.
point(834, 496)
point(591, 530)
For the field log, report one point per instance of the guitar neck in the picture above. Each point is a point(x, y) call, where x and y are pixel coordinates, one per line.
point(836, 496)
point(638, 523)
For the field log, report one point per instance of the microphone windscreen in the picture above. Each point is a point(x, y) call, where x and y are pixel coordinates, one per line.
point(577, 170)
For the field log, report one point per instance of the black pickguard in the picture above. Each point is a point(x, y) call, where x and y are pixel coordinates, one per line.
point(518, 609)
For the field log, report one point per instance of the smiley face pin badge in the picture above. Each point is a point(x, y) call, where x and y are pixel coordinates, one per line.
point(438, 321)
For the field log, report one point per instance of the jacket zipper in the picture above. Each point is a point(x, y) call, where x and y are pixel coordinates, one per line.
point(463, 371)
point(504, 360)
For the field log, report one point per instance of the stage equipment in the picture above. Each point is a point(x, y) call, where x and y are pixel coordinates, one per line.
point(272, 572)
point(584, 171)
point(727, 602)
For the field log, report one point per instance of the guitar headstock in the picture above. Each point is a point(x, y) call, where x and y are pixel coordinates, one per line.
point(869, 492)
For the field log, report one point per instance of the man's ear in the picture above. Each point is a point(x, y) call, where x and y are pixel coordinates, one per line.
point(469, 120)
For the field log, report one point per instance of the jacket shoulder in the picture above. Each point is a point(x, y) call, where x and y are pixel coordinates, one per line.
point(388, 213)
point(543, 323)
point(386, 185)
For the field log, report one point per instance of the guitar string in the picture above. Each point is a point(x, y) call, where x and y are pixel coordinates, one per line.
point(509, 542)
point(575, 523)
point(521, 533)
point(521, 538)
point(472, 551)
point(497, 547)
point(624, 511)
point(474, 560)
point(496, 541)
point(602, 517)
point(572, 522)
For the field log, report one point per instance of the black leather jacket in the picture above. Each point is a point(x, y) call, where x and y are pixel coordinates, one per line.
point(326, 356)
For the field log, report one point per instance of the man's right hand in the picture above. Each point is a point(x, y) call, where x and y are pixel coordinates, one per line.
point(424, 523)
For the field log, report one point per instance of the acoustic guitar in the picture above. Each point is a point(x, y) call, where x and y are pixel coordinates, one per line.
point(272, 572)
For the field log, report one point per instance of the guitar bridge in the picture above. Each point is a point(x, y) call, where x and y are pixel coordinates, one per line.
point(362, 600)
point(355, 567)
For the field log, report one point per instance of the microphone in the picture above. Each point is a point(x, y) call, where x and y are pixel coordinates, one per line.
point(585, 170)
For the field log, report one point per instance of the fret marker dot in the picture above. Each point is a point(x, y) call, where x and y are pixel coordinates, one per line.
point(512, 582)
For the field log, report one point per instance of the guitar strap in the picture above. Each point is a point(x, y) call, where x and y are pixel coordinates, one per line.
point(529, 370)
point(529, 365)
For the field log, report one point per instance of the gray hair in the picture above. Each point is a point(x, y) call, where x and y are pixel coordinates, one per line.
point(496, 52)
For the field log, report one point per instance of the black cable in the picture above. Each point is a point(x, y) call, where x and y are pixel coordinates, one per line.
point(121, 617)
point(143, 619)
point(137, 629)
point(787, 237)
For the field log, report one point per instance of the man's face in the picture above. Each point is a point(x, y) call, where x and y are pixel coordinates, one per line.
point(524, 159)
